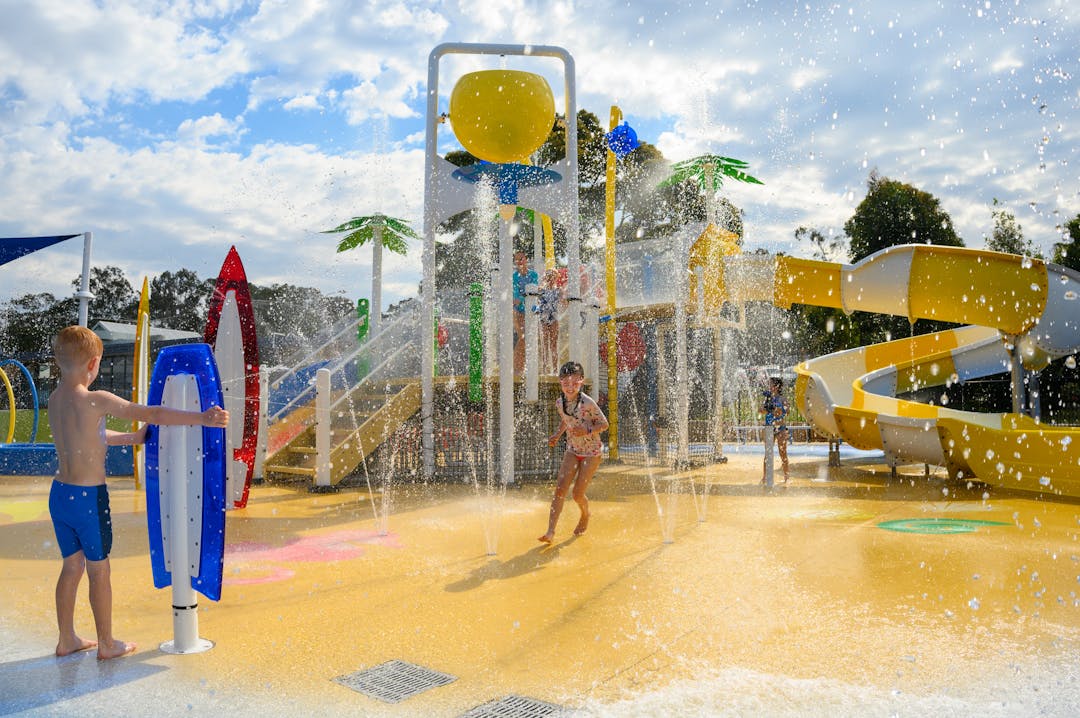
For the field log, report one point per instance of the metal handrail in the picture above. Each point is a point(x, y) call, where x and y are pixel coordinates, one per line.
point(336, 366)
point(384, 362)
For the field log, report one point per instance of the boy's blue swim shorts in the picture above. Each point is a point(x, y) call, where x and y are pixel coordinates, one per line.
point(81, 519)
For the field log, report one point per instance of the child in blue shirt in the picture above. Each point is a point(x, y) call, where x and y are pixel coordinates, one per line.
point(775, 409)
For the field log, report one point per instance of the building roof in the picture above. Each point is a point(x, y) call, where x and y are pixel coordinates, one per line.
point(111, 332)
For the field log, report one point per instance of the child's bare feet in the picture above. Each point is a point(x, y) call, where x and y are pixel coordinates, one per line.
point(116, 649)
point(66, 648)
point(546, 538)
point(582, 525)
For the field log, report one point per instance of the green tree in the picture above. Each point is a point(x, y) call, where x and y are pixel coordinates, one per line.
point(114, 299)
point(825, 248)
point(31, 321)
point(179, 300)
point(1067, 254)
point(1007, 235)
point(894, 213)
point(891, 214)
point(288, 316)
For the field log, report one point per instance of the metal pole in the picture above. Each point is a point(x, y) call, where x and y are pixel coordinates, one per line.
point(532, 331)
point(427, 385)
point(681, 373)
point(505, 306)
point(427, 352)
point(1019, 388)
point(769, 439)
point(322, 428)
point(181, 392)
point(84, 295)
point(376, 278)
point(259, 471)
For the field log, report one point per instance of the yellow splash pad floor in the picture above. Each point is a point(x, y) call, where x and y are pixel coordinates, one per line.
point(694, 593)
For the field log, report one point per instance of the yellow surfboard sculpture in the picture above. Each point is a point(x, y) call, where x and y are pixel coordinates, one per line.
point(140, 374)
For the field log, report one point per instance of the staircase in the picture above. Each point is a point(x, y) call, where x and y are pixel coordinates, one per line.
point(363, 419)
point(362, 405)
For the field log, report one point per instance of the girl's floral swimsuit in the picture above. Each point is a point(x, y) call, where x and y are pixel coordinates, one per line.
point(586, 414)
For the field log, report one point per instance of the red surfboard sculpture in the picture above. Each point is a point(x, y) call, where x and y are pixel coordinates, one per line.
point(230, 330)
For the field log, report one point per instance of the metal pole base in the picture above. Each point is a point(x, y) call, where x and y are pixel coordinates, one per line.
point(201, 645)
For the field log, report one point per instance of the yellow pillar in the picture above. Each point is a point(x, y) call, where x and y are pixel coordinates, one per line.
point(609, 261)
point(549, 242)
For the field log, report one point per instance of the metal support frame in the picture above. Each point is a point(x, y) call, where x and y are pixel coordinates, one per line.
point(444, 197)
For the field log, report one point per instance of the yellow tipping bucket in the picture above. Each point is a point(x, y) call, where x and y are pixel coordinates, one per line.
point(501, 115)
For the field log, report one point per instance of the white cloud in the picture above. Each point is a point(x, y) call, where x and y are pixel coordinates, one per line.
point(191, 126)
point(304, 102)
point(197, 131)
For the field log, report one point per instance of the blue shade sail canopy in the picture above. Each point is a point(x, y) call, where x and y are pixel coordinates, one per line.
point(11, 248)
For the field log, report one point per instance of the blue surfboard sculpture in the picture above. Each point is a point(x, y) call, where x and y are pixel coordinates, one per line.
point(187, 374)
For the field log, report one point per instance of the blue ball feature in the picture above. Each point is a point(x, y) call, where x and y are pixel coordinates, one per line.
point(622, 140)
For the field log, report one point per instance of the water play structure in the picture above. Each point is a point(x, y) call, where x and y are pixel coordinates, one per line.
point(344, 400)
point(1023, 314)
point(771, 611)
point(1019, 311)
point(186, 489)
point(230, 330)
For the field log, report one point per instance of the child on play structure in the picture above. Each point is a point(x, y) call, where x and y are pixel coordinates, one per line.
point(79, 499)
point(523, 276)
point(583, 422)
point(548, 306)
point(775, 409)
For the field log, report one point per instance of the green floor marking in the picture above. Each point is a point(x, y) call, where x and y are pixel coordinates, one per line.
point(937, 526)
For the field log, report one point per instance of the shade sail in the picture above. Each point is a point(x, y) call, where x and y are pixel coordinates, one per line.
point(14, 247)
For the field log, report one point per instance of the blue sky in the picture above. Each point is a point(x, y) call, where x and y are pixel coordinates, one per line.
point(174, 130)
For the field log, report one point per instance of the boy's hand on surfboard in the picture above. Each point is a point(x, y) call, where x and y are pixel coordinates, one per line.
point(216, 416)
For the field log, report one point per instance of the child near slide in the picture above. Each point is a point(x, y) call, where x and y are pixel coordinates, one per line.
point(79, 499)
point(583, 422)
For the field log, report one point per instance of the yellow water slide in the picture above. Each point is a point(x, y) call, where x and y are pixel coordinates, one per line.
point(1018, 309)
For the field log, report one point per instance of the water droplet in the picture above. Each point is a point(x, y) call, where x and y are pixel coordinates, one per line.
point(1044, 480)
point(1070, 361)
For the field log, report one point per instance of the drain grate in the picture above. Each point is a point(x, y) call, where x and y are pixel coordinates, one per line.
point(394, 681)
point(515, 707)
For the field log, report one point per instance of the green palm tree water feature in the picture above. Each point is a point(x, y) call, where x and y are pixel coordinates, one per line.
point(381, 231)
point(708, 172)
